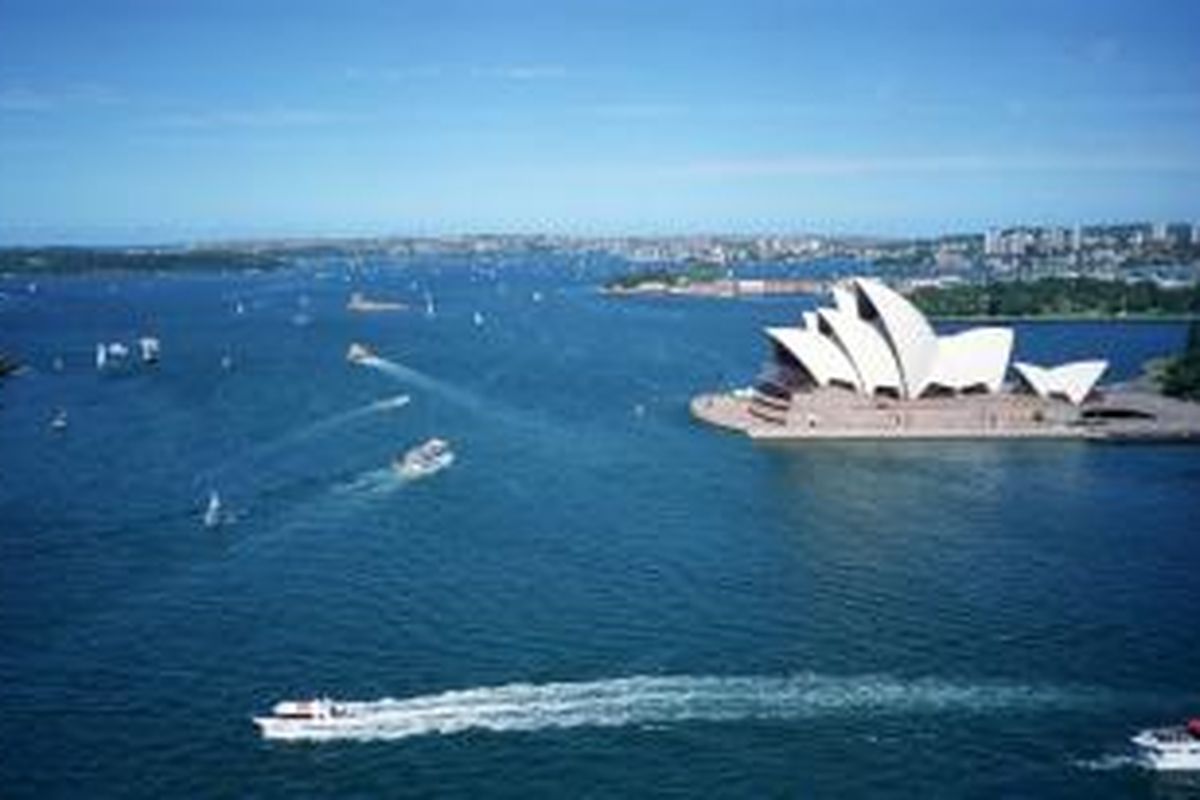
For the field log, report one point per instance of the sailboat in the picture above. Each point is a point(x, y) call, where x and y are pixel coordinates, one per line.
point(212, 514)
point(430, 311)
point(150, 348)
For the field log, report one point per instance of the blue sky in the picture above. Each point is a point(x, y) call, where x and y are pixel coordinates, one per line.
point(162, 121)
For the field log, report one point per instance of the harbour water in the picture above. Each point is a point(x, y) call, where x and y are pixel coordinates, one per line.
point(599, 598)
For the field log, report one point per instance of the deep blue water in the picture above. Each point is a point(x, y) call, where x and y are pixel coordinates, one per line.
point(696, 615)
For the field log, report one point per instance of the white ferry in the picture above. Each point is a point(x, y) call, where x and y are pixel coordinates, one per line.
point(301, 719)
point(419, 462)
point(1173, 748)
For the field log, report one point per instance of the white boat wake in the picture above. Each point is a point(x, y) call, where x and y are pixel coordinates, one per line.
point(371, 483)
point(419, 379)
point(320, 427)
point(1113, 761)
point(642, 700)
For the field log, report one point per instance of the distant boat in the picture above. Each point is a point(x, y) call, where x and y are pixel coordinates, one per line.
point(297, 719)
point(59, 422)
point(212, 514)
point(358, 353)
point(227, 362)
point(150, 349)
point(1171, 749)
point(426, 459)
point(430, 310)
point(361, 303)
point(478, 319)
point(239, 309)
point(110, 355)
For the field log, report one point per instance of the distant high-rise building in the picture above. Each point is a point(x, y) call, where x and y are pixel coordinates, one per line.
point(1196, 233)
point(1077, 238)
point(1158, 232)
point(991, 242)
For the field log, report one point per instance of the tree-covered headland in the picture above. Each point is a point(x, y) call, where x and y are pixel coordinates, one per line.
point(1058, 297)
point(1181, 378)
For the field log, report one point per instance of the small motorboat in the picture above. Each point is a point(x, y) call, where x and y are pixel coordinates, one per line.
point(358, 354)
point(424, 460)
point(301, 719)
point(1172, 748)
point(59, 421)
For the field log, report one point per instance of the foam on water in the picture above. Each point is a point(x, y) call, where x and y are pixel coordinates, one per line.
point(373, 482)
point(659, 700)
point(1110, 762)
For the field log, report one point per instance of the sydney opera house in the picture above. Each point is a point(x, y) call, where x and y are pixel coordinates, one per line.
point(871, 366)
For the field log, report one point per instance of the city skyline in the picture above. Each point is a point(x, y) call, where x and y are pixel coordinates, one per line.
point(141, 122)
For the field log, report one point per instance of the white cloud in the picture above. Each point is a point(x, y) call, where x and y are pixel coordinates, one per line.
point(394, 74)
point(637, 110)
point(522, 72)
point(19, 98)
point(931, 164)
point(251, 118)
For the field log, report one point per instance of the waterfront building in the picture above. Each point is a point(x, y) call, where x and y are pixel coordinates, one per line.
point(875, 342)
point(870, 366)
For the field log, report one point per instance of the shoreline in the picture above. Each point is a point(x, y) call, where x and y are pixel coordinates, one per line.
point(1136, 416)
point(1146, 317)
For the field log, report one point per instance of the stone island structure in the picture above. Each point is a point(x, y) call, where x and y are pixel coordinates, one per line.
point(871, 366)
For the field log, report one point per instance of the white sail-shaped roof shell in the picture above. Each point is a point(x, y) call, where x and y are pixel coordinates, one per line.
point(865, 348)
point(1074, 381)
point(908, 332)
point(975, 357)
point(823, 359)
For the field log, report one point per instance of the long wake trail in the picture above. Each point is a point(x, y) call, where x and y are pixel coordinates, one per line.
point(317, 428)
point(419, 379)
point(657, 700)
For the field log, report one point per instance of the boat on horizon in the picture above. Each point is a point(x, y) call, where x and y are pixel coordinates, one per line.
point(424, 460)
point(1171, 749)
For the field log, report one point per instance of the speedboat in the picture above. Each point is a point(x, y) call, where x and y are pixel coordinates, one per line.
point(1172, 748)
point(300, 719)
point(358, 353)
point(426, 459)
